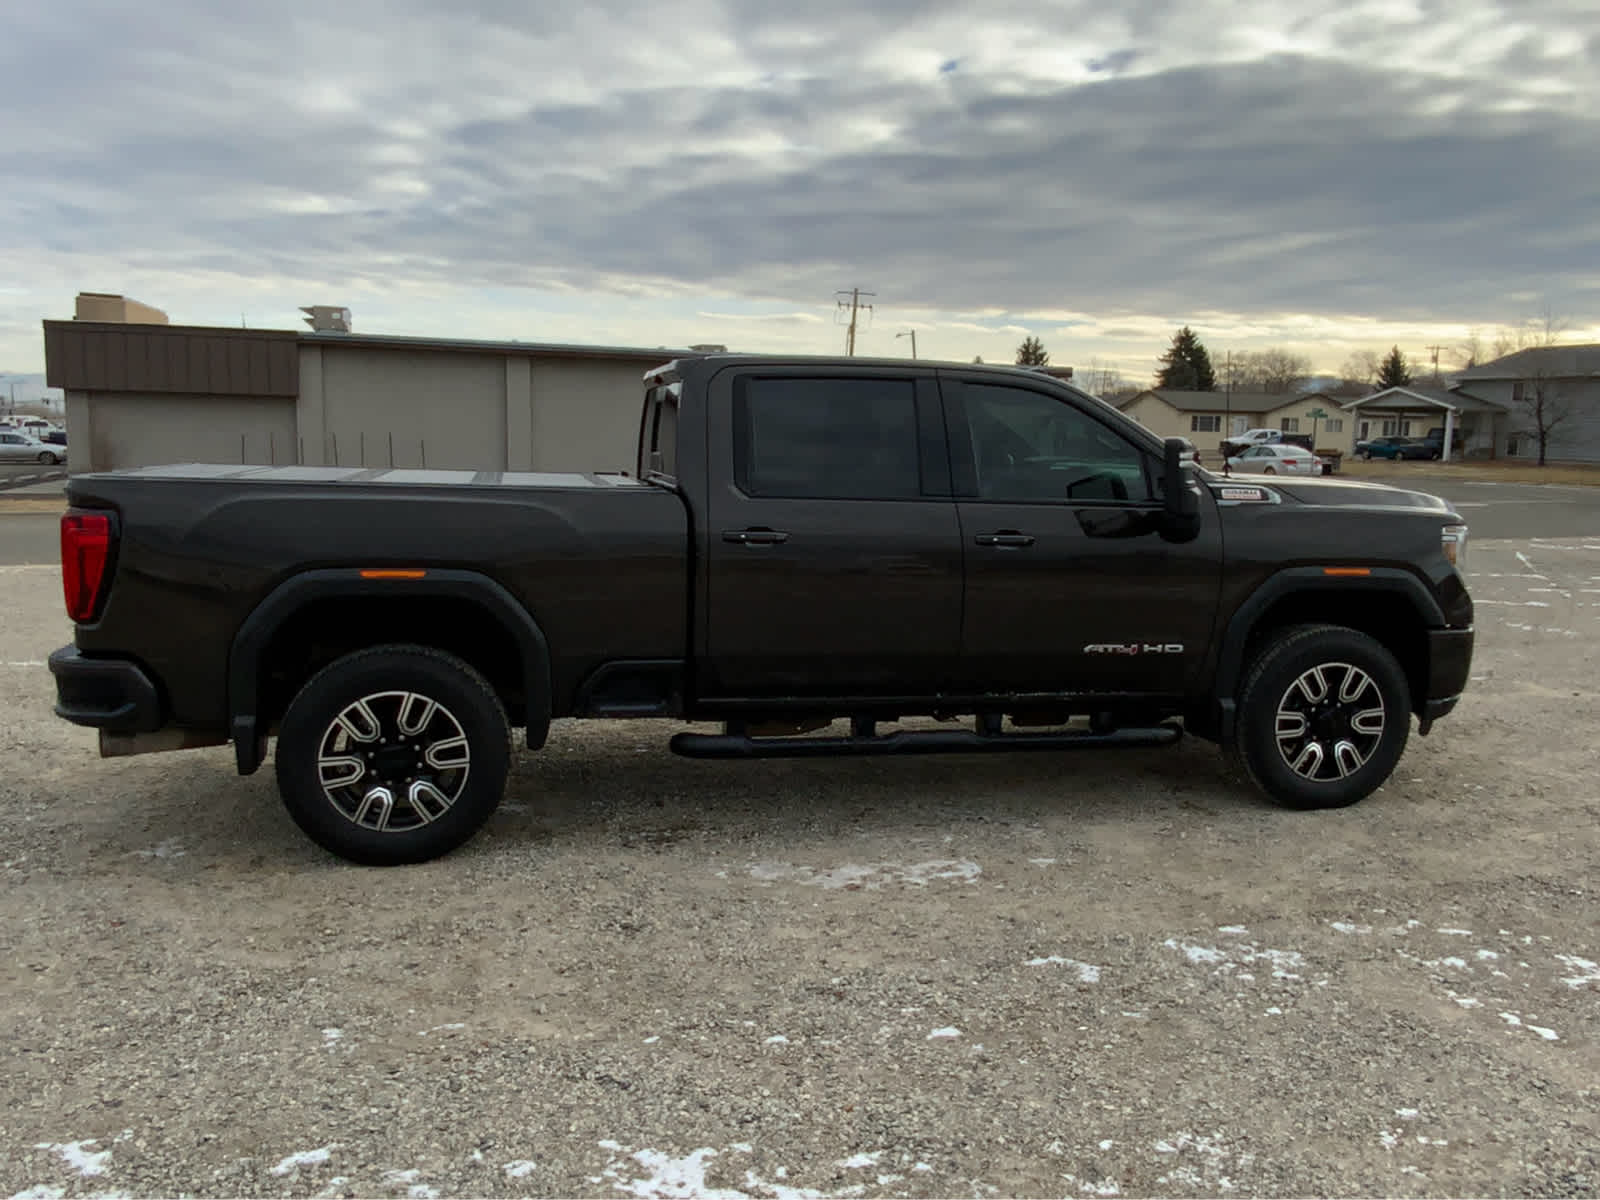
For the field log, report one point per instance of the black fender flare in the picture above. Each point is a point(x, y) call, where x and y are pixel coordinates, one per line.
point(294, 593)
point(1230, 654)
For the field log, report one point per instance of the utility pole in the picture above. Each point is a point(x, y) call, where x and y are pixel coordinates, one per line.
point(1227, 420)
point(912, 334)
point(855, 295)
point(1435, 351)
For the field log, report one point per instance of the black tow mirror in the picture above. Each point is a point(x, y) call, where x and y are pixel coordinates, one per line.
point(1181, 518)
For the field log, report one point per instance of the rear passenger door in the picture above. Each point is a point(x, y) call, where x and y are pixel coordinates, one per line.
point(833, 557)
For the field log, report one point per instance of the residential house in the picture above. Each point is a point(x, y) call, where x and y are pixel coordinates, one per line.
point(1570, 379)
point(1475, 424)
point(1207, 418)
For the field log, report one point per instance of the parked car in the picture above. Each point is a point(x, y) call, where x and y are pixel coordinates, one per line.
point(804, 541)
point(21, 447)
point(1276, 460)
point(1264, 437)
point(1395, 448)
point(1434, 441)
point(54, 437)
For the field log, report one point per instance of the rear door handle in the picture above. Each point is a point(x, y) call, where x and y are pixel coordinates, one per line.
point(755, 537)
point(1008, 538)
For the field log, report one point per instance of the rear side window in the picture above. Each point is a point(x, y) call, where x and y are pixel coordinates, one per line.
point(661, 439)
point(827, 439)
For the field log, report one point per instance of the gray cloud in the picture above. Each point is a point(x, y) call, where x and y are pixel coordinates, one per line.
point(1165, 159)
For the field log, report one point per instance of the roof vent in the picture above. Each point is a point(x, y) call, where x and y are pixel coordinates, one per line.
point(326, 318)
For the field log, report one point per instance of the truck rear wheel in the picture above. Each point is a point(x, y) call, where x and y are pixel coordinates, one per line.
point(1323, 717)
point(393, 754)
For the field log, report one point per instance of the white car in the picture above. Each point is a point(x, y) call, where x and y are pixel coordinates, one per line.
point(20, 447)
point(1278, 459)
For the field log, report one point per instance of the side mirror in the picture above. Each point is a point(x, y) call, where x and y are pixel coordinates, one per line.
point(1181, 518)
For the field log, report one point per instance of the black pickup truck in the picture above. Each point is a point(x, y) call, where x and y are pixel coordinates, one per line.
point(811, 553)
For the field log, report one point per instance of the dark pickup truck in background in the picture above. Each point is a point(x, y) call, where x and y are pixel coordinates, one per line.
point(806, 541)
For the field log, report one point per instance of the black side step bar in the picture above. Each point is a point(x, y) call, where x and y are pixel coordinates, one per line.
point(932, 741)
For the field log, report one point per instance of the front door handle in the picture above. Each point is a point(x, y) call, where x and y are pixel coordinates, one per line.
point(755, 537)
point(1005, 538)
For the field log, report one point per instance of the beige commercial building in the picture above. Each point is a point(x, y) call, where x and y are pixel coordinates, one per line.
point(140, 392)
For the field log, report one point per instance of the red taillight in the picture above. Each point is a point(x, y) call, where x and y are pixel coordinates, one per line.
point(85, 551)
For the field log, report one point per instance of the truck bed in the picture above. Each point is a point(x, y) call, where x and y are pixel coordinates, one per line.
point(599, 561)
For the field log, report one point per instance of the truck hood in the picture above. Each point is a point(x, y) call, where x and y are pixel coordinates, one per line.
point(1326, 492)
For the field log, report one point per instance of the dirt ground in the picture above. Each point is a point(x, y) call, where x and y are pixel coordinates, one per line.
point(1087, 974)
point(1477, 470)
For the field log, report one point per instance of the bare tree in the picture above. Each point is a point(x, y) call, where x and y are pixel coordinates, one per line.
point(1469, 351)
point(1541, 396)
point(1361, 368)
point(1274, 370)
point(1101, 379)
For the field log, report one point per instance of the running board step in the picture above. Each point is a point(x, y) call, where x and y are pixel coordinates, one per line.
point(933, 741)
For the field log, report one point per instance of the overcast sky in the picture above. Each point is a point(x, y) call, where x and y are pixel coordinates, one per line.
point(1326, 176)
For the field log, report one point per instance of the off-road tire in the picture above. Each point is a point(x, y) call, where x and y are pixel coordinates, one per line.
point(1270, 699)
point(466, 709)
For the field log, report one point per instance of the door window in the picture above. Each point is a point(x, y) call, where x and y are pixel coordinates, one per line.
point(827, 439)
point(1030, 446)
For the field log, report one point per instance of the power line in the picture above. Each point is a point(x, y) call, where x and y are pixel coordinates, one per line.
point(855, 306)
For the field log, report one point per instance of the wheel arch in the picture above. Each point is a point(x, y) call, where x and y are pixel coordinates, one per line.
point(1389, 604)
point(345, 589)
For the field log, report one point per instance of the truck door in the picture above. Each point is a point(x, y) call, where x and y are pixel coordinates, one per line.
point(832, 554)
point(1069, 585)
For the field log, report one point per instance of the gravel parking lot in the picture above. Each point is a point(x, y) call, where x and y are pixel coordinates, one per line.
point(1092, 975)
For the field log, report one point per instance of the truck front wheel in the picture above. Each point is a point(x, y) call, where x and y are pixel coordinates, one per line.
point(1323, 717)
point(393, 754)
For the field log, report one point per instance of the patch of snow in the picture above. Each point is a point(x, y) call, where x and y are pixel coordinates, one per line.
point(869, 877)
point(921, 1166)
point(40, 1191)
point(437, 1028)
point(1275, 1011)
point(652, 1039)
point(1233, 929)
point(1455, 932)
point(1196, 954)
point(857, 1162)
point(949, 1031)
point(1588, 972)
point(776, 1039)
point(1407, 1114)
point(1347, 927)
point(305, 1158)
point(334, 1188)
point(1043, 862)
point(1458, 963)
point(330, 1036)
point(1388, 1139)
point(1548, 1035)
point(1486, 954)
point(1107, 1144)
point(77, 1155)
point(1086, 972)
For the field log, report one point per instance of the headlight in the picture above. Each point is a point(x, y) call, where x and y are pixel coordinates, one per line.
point(1454, 539)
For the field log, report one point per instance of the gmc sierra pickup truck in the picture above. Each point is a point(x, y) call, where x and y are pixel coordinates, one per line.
point(810, 553)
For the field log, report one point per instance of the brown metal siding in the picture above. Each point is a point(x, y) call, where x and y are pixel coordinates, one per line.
point(89, 356)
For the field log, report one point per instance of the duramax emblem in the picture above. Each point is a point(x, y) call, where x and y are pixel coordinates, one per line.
point(1134, 648)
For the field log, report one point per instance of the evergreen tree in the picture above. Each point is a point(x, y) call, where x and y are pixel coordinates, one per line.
point(1186, 366)
point(1032, 353)
point(1394, 372)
